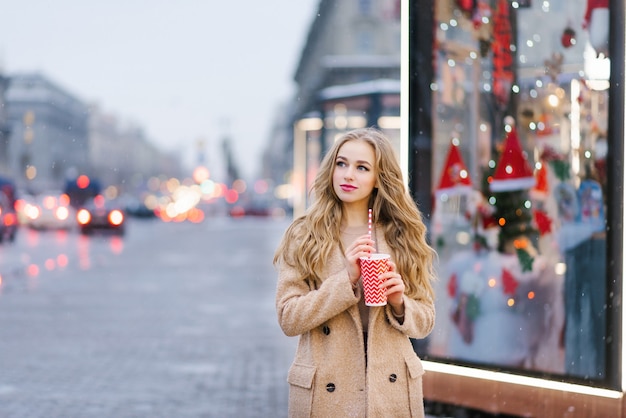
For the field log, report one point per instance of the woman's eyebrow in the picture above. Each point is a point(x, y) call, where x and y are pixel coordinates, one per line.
point(339, 157)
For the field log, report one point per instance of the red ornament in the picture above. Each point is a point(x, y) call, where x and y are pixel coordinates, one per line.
point(508, 282)
point(543, 221)
point(467, 6)
point(568, 39)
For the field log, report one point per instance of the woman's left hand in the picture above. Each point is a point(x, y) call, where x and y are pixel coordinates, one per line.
point(394, 286)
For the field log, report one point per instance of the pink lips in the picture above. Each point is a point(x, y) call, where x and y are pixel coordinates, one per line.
point(347, 187)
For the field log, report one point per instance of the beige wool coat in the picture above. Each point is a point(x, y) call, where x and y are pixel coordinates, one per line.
point(329, 376)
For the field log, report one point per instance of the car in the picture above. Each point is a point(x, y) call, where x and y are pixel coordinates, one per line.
point(100, 214)
point(137, 208)
point(8, 219)
point(50, 210)
point(256, 208)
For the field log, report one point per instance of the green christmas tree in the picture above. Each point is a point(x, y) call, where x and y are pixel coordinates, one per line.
point(508, 183)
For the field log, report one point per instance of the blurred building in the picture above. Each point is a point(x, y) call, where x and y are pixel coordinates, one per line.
point(121, 154)
point(49, 134)
point(4, 127)
point(275, 165)
point(54, 136)
point(348, 76)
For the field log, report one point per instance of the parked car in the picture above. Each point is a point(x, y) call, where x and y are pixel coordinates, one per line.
point(50, 210)
point(8, 219)
point(101, 214)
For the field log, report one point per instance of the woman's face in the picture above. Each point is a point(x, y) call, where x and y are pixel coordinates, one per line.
point(354, 175)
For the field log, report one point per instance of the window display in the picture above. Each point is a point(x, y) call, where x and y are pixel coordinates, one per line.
point(520, 103)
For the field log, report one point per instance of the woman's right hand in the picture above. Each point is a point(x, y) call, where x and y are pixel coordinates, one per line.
point(361, 247)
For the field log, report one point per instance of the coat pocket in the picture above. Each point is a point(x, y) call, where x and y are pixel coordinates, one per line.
point(415, 371)
point(414, 365)
point(300, 379)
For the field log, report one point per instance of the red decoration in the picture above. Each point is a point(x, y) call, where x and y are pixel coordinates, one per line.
point(452, 285)
point(454, 176)
point(508, 282)
point(486, 216)
point(513, 171)
point(543, 221)
point(467, 6)
point(596, 21)
point(540, 190)
point(568, 38)
point(502, 55)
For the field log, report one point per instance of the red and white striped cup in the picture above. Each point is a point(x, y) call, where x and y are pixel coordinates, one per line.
point(372, 267)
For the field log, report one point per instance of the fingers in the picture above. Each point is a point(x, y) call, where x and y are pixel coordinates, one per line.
point(361, 248)
point(393, 284)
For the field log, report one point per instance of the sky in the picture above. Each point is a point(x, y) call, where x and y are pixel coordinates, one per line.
point(187, 72)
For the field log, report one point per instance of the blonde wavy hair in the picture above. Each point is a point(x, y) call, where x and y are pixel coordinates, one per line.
point(309, 241)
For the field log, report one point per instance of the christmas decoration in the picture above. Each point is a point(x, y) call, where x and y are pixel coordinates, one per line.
point(525, 259)
point(512, 171)
point(568, 38)
point(596, 21)
point(543, 222)
point(554, 65)
point(452, 286)
point(502, 74)
point(455, 177)
point(466, 6)
point(591, 204)
point(491, 311)
point(509, 284)
point(509, 186)
point(540, 190)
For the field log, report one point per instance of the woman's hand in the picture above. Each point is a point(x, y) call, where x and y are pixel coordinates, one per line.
point(361, 247)
point(394, 286)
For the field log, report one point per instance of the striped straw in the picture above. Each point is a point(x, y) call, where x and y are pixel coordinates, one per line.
point(369, 224)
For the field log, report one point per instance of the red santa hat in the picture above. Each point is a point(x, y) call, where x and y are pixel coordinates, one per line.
point(596, 21)
point(513, 171)
point(455, 178)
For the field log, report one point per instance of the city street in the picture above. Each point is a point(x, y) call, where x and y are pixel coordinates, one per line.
point(170, 320)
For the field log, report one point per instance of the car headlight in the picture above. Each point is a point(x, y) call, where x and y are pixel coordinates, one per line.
point(116, 217)
point(62, 213)
point(83, 216)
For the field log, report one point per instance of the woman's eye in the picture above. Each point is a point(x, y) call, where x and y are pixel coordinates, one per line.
point(340, 164)
point(363, 168)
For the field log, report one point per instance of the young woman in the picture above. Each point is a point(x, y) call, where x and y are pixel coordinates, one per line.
point(353, 360)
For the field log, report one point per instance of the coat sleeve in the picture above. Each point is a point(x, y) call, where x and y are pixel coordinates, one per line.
point(300, 309)
point(419, 317)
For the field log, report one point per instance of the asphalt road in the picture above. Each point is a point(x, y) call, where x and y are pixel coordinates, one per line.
point(172, 320)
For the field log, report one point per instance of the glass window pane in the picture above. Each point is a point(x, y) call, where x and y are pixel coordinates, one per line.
point(520, 148)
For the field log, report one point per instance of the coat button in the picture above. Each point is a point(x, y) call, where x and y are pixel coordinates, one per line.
point(326, 330)
point(393, 378)
point(330, 387)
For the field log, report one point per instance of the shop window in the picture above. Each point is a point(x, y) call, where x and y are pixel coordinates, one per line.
point(519, 169)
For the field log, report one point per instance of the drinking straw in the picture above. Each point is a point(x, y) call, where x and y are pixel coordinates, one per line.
point(369, 224)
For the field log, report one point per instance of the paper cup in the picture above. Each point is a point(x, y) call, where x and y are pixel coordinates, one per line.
point(371, 268)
